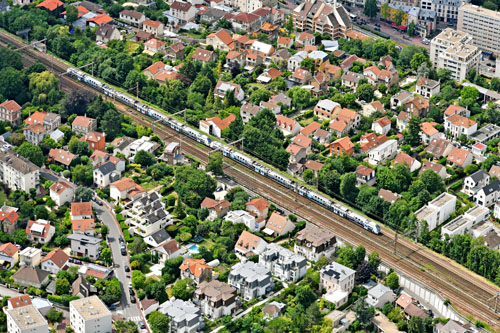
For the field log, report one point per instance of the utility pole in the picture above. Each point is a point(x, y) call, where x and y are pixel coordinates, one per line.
point(137, 90)
point(395, 242)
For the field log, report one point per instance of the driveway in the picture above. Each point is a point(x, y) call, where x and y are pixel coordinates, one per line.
point(129, 310)
point(4, 291)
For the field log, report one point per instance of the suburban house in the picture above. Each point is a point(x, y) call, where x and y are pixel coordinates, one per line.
point(61, 192)
point(400, 99)
point(9, 256)
point(372, 107)
point(35, 133)
point(342, 146)
point(244, 217)
point(83, 227)
point(338, 281)
point(11, 111)
point(215, 125)
point(183, 11)
point(344, 121)
point(287, 125)
point(223, 87)
point(125, 189)
point(473, 183)
point(381, 126)
point(96, 140)
point(365, 175)
point(61, 156)
point(251, 280)
point(429, 132)
point(168, 250)
point(157, 238)
point(297, 153)
point(133, 17)
point(283, 263)
point(459, 157)
point(417, 106)
point(439, 148)
point(278, 225)
point(105, 174)
point(55, 261)
point(488, 195)
point(215, 298)
point(28, 276)
point(313, 242)
point(153, 27)
point(85, 246)
point(184, 316)
point(40, 231)
point(454, 109)
point(83, 125)
point(388, 196)
point(383, 152)
point(273, 310)
point(436, 167)
point(437, 211)
point(154, 46)
point(196, 269)
point(174, 51)
point(258, 206)
point(248, 111)
point(351, 80)
point(203, 55)
point(106, 33)
point(221, 40)
point(326, 109)
point(8, 219)
point(30, 256)
point(427, 88)
point(305, 39)
point(81, 210)
point(402, 121)
point(458, 125)
point(412, 163)
point(249, 245)
point(379, 295)
point(216, 209)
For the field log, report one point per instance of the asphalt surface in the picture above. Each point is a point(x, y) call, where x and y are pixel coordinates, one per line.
point(129, 310)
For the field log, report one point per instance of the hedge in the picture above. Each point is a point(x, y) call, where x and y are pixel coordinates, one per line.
point(63, 300)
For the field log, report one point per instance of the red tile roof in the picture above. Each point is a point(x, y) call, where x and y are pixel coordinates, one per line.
point(259, 203)
point(50, 4)
point(81, 208)
point(364, 170)
point(383, 122)
point(311, 128)
point(83, 225)
point(18, 301)
point(151, 23)
point(58, 257)
point(82, 121)
point(100, 19)
point(35, 118)
point(8, 249)
point(246, 17)
point(11, 106)
point(210, 203)
point(62, 156)
point(182, 6)
point(195, 266)
point(9, 216)
point(458, 156)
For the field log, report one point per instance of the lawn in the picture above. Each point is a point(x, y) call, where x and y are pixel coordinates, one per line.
point(307, 121)
point(258, 85)
point(131, 47)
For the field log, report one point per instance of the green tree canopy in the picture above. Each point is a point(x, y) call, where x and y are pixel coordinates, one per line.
point(32, 153)
point(193, 185)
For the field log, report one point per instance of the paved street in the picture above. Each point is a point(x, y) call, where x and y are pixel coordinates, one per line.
point(4, 291)
point(129, 310)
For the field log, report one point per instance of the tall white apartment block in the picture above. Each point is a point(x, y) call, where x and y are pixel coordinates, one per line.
point(453, 50)
point(26, 319)
point(17, 172)
point(482, 24)
point(90, 314)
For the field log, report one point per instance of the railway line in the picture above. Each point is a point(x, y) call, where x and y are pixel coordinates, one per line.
point(467, 292)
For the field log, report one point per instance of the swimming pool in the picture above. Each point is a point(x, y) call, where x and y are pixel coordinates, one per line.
point(193, 248)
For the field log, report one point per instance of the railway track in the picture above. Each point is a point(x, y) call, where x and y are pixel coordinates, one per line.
point(467, 292)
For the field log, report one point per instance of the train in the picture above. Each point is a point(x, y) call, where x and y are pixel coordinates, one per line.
point(227, 151)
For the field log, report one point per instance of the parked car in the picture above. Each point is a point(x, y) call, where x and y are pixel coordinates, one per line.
point(112, 307)
point(132, 299)
point(130, 284)
point(131, 292)
point(127, 269)
point(121, 240)
point(123, 251)
point(141, 325)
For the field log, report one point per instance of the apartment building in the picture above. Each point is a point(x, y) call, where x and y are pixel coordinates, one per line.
point(90, 314)
point(248, 6)
point(437, 211)
point(383, 152)
point(338, 280)
point(446, 10)
point(251, 280)
point(283, 263)
point(458, 125)
point(318, 16)
point(11, 111)
point(132, 17)
point(183, 11)
point(313, 242)
point(453, 50)
point(17, 172)
point(85, 246)
point(482, 25)
point(461, 224)
point(147, 214)
point(185, 316)
point(26, 319)
point(215, 298)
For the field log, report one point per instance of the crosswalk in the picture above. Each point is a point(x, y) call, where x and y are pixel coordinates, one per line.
point(134, 319)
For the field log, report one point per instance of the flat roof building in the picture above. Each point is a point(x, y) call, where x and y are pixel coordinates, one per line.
point(437, 211)
point(90, 314)
point(26, 319)
point(482, 24)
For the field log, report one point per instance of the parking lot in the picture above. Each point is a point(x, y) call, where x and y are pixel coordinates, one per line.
point(487, 66)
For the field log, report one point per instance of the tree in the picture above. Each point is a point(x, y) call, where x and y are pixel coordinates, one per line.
point(259, 95)
point(157, 291)
point(41, 212)
point(364, 92)
point(11, 84)
point(82, 174)
point(54, 316)
point(125, 326)
point(78, 147)
point(104, 231)
point(364, 313)
point(111, 123)
point(432, 181)
point(202, 85)
point(308, 64)
point(278, 84)
point(71, 14)
point(392, 281)
point(495, 84)
point(412, 137)
point(224, 24)
point(469, 95)
point(32, 153)
point(144, 158)
point(348, 187)
point(62, 286)
point(158, 321)
point(229, 99)
point(106, 256)
point(489, 162)
point(10, 58)
point(416, 325)
point(423, 70)
point(40, 84)
point(374, 261)
point(138, 280)
point(490, 5)
point(20, 236)
point(411, 28)
point(215, 164)
point(308, 176)
point(183, 289)
point(370, 9)
point(418, 59)
point(399, 17)
point(289, 23)
point(83, 194)
point(305, 296)
point(300, 97)
point(193, 185)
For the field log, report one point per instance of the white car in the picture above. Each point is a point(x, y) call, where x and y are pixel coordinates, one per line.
point(130, 284)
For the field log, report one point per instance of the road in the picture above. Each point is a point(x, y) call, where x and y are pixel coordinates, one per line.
point(129, 310)
point(468, 292)
point(4, 291)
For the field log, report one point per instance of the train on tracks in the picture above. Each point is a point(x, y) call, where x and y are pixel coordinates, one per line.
point(336, 208)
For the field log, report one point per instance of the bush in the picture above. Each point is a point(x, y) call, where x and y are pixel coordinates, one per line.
point(455, 186)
